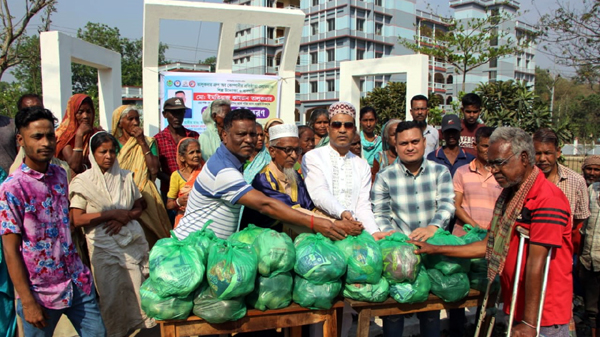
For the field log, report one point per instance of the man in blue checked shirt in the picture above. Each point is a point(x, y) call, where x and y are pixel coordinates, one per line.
point(416, 197)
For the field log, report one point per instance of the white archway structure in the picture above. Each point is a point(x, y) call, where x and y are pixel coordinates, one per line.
point(414, 66)
point(229, 16)
point(58, 51)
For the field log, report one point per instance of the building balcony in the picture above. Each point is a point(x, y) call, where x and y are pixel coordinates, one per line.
point(525, 70)
point(318, 96)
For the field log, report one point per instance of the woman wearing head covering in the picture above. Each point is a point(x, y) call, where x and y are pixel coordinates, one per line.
point(251, 169)
point(213, 116)
point(106, 202)
point(370, 142)
point(319, 122)
point(74, 132)
point(388, 154)
point(189, 160)
point(138, 154)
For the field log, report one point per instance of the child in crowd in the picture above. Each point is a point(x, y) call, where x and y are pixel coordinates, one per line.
point(190, 162)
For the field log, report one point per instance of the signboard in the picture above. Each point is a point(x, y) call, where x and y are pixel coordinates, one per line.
point(259, 93)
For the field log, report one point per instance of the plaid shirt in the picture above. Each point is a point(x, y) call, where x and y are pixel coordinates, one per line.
point(403, 201)
point(574, 187)
point(590, 255)
point(167, 149)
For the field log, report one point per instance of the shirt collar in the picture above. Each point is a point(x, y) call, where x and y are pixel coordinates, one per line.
point(439, 153)
point(35, 174)
point(561, 173)
point(348, 155)
point(407, 172)
point(231, 157)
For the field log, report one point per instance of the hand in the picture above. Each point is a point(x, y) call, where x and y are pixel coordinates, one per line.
point(328, 229)
point(121, 215)
point(346, 215)
point(423, 247)
point(522, 330)
point(350, 227)
point(35, 315)
point(380, 235)
point(112, 227)
point(83, 129)
point(138, 134)
point(423, 233)
point(183, 200)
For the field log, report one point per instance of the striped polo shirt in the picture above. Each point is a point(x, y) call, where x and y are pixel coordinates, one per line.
point(216, 192)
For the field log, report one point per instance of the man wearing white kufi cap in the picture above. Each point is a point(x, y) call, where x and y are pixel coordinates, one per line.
point(278, 179)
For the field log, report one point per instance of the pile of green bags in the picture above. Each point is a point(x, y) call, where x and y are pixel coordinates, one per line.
point(208, 306)
point(319, 267)
point(363, 281)
point(402, 269)
point(168, 307)
point(271, 292)
point(449, 288)
point(478, 271)
point(231, 269)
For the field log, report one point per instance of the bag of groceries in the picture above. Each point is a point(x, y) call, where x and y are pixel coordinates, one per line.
point(315, 296)
point(415, 292)
point(231, 269)
point(368, 292)
point(363, 256)
point(273, 292)
point(400, 263)
point(449, 288)
point(447, 265)
point(161, 308)
point(275, 251)
point(318, 259)
point(215, 310)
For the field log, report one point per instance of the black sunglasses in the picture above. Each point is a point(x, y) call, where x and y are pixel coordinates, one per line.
point(288, 150)
point(337, 125)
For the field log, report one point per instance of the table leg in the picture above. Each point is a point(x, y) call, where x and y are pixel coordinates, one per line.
point(364, 321)
point(167, 330)
point(295, 331)
point(330, 324)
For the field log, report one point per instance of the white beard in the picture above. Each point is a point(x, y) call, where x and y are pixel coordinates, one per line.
point(291, 176)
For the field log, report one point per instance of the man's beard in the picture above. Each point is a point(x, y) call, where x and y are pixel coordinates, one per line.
point(291, 175)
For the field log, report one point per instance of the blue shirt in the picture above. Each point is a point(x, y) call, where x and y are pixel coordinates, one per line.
point(439, 157)
point(216, 192)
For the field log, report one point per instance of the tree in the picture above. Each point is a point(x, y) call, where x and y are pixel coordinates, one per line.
point(388, 101)
point(9, 93)
point(28, 73)
point(572, 35)
point(13, 32)
point(212, 61)
point(466, 43)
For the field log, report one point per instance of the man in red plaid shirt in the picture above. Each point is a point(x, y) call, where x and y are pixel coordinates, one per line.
point(167, 140)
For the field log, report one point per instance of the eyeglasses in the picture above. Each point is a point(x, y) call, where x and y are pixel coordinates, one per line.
point(288, 150)
point(355, 144)
point(337, 125)
point(498, 164)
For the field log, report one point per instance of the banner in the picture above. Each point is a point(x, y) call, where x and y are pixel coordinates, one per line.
point(259, 93)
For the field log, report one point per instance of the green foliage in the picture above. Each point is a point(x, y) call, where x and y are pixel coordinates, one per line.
point(212, 61)
point(466, 44)
point(28, 73)
point(388, 101)
point(9, 94)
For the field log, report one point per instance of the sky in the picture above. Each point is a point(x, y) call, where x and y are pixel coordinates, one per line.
point(193, 41)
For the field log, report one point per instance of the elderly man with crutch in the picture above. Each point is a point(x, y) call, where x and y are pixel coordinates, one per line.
point(535, 259)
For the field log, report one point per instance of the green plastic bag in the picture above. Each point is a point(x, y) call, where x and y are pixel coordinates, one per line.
point(400, 263)
point(274, 292)
point(449, 288)
point(447, 265)
point(315, 296)
point(479, 266)
point(275, 251)
point(231, 269)
point(176, 268)
point(202, 240)
point(162, 308)
point(474, 234)
point(479, 281)
point(363, 256)
point(246, 235)
point(416, 292)
point(318, 260)
point(214, 310)
point(368, 292)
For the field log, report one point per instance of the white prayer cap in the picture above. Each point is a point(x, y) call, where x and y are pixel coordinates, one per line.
point(283, 130)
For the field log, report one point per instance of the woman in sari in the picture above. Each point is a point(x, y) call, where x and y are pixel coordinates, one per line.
point(263, 158)
point(106, 203)
point(138, 154)
point(189, 160)
point(74, 132)
point(319, 122)
point(370, 142)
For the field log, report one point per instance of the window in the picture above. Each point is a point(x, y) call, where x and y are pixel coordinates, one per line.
point(270, 3)
point(314, 28)
point(330, 55)
point(361, 85)
point(378, 28)
point(378, 2)
point(378, 84)
point(378, 55)
point(492, 76)
point(527, 64)
point(494, 39)
point(360, 24)
point(360, 54)
point(313, 87)
point(493, 62)
point(315, 2)
point(269, 61)
point(314, 57)
point(270, 32)
point(330, 25)
point(518, 62)
point(330, 85)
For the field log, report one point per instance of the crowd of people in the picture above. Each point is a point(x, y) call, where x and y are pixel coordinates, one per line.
point(80, 208)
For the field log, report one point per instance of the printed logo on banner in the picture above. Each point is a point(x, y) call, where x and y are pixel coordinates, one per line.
point(185, 84)
point(178, 83)
point(192, 84)
point(169, 83)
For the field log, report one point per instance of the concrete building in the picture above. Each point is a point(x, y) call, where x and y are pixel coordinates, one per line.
point(346, 30)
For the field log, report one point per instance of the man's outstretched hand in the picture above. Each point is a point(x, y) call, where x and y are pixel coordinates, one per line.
point(423, 247)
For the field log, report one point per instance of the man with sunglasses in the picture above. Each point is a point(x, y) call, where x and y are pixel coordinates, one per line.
point(279, 179)
point(337, 180)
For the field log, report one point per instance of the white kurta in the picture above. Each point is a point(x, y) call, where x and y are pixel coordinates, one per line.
point(339, 183)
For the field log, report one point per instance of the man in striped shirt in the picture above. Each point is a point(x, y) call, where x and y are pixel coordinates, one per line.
point(414, 196)
point(220, 189)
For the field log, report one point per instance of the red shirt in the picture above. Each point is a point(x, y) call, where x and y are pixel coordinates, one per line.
point(167, 153)
point(467, 137)
point(547, 215)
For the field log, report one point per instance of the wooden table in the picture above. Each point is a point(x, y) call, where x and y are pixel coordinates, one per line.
point(293, 317)
point(366, 310)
